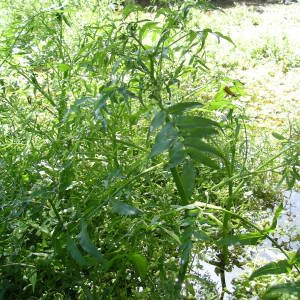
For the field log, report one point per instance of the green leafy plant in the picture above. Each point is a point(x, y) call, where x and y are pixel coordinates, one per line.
point(115, 172)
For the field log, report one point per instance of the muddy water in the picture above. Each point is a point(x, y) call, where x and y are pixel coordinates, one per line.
point(287, 235)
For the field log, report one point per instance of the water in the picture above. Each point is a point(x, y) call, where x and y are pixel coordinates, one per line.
point(287, 234)
point(288, 230)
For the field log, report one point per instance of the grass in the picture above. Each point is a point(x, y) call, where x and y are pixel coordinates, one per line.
point(266, 58)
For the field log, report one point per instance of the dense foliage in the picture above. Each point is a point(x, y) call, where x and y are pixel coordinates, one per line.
point(115, 173)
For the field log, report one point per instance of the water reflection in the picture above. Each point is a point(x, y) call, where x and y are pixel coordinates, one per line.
point(287, 234)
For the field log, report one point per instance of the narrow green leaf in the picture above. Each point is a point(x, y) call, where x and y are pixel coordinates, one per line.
point(177, 155)
point(84, 101)
point(203, 35)
point(130, 8)
point(198, 132)
point(140, 263)
point(171, 234)
point(281, 266)
point(199, 204)
point(277, 291)
point(201, 158)
point(33, 279)
point(157, 121)
point(201, 235)
point(192, 35)
point(177, 71)
point(179, 108)
point(295, 258)
point(224, 37)
point(195, 122)
point(188, 178)
point(202, 146)
point(75, 253)
point(220, 101)
point(160, 147)
point(66, 20)
point(276, 216)
point(125, 209)
point(278, 136)
point(186, 248)
point(238, 88)
point(252, 238)
point(164, 139)
point(87, 245)
point(220, 105)
point(148, 27)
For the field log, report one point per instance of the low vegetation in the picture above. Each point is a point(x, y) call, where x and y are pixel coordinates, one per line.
point(137, 142)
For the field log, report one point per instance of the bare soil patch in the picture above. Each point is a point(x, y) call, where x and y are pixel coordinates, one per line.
point(266, 58)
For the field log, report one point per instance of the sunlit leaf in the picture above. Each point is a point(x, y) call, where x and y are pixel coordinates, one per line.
point(179, 108)
point(202, 146)
point(125, 209)
point(276, 216)
point(278, 136)
point(220, 101)
point(203, 35)
point(131, 8)
point(140, 263)
point(224, 37)
point(63, 67)
point(33, 279)
point(297, 256)
point(149, 26)
point(281, 266)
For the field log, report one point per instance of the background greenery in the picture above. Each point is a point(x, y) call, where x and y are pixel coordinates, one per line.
point(127, 153)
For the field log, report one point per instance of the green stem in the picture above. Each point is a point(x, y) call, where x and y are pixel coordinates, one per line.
point(249, 173)
point(60, 220)
point(185, 262)
point(179, 186)
point(234, 215)
point(94, 210)
point(225, 253)
point(227, 217)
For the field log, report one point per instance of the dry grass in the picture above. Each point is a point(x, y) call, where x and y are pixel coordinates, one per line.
point(266, 58)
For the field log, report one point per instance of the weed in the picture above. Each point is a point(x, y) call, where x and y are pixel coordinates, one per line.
point(122, 155)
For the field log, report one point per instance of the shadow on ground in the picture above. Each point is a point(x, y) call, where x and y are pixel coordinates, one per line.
point(231, 3)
